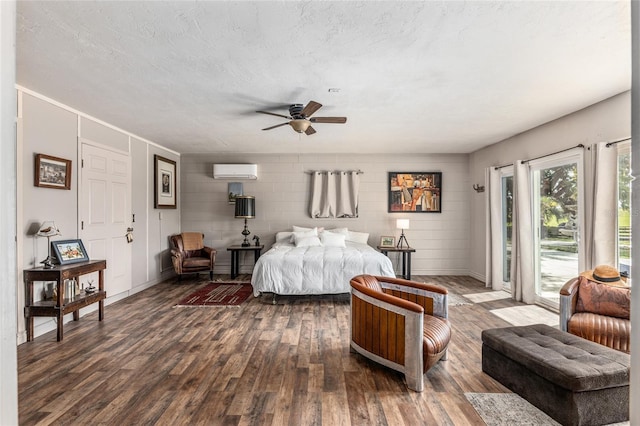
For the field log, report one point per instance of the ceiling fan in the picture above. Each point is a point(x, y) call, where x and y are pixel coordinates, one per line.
point(300, 118)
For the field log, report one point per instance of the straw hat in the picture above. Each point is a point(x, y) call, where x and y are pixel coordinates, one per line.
point(605, 274)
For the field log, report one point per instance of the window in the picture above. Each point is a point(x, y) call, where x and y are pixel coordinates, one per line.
point(624, 208)
point(506, 197)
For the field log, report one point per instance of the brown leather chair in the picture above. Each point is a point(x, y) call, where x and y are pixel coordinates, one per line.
point(189, 255)
point(399, 323)
point(596, 312)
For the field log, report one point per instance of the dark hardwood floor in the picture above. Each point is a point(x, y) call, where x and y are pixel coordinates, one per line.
point(289, 363)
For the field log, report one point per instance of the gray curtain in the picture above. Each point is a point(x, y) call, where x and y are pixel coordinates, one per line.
point(334, 194)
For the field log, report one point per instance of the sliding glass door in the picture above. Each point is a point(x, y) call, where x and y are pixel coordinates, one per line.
point(624, 208)
point(558, 217)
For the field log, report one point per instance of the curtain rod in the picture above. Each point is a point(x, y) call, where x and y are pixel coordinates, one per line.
point(310, 172)
point(502, 167)
point(553, 153)
point(615, 142)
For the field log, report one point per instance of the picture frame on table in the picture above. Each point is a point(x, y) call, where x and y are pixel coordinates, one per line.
point(415, 192)
point(387, 241)
point(69, 251)
point(166, 191)
point(52, 172)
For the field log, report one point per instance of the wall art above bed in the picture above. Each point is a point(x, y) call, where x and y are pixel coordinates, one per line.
point(415, 192)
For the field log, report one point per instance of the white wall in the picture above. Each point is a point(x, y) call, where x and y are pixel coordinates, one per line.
point(51, 128)
point(605, 121)
point(8, 281)
point(282, 199)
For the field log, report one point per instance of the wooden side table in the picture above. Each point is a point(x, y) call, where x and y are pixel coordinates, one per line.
point(235, 253)
point(406, 258)
point(63, 304)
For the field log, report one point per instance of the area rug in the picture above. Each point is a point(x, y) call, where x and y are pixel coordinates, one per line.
point(457, 300)
point(527, 315)
point(507, 409)
point(510, 409)
point(218, 294)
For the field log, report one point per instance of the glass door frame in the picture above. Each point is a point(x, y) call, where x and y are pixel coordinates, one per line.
point(535, 166)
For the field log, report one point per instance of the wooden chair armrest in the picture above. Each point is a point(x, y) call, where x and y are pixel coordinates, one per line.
point(570, 287)
point(412, 284)
point(387, 298)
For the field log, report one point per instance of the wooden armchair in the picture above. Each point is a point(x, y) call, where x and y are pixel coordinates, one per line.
point(399, 323)
point(189, 255)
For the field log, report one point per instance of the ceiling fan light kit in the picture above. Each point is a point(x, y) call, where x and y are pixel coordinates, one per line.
point(299, 118)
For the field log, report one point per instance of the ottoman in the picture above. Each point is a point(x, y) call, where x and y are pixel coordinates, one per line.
point(573, 380)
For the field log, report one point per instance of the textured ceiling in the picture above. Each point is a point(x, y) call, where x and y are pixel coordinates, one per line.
point(424, 77)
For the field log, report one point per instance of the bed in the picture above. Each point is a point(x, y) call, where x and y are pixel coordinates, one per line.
point(316, 264)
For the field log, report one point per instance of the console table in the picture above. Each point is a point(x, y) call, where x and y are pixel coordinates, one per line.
point(235, 253)
point(63, 305)
point(406, 258)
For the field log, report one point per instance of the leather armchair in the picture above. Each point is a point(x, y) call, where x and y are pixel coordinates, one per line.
point(189, 255)
point(596, 312)
point(399, 323)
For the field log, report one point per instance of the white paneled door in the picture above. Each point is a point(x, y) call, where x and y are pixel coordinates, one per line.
point(106, 213)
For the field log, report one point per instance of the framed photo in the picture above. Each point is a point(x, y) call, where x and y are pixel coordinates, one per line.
point(52, 172)
point(387, 241)
point(69, 251)
point(165, 183)
point(415, 192)
point(235, 189)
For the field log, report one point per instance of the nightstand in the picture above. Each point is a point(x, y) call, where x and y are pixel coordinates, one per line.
point(406, 258)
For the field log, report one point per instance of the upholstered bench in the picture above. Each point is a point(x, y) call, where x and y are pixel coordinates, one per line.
point(573, 380)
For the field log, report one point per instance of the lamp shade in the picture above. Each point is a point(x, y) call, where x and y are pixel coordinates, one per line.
point(48, 229)
point(245, 207)
point(402, 224)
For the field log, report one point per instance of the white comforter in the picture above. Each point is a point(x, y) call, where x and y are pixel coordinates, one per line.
point(287, 269)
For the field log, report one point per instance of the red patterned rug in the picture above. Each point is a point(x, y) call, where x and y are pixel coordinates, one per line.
point(218, 294)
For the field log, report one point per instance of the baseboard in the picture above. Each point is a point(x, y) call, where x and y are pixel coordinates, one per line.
point(477, 276)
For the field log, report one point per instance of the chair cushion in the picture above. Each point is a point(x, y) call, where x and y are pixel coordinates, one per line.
point(193, 262)
point(605, 330)
point(192, 240)
point(603, 299)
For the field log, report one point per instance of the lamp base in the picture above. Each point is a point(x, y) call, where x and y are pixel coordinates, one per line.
point(402, 241)
point(246, 233)
point(48, 263)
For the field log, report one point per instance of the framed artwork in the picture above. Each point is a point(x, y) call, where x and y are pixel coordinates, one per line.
point(52, 172)
point(415, 192)
point(387, 241)
point(69, 251)
point(235, 189)
point(164, 183)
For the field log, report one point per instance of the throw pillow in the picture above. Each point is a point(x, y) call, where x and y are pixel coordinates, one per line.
point(330, 239)
point(358, 237)
point(301, 234)
point(603, 299)
point(343, 231)
point(308, 242)
point(283, 236)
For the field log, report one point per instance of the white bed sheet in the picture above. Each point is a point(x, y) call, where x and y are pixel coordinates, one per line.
point(289, 270)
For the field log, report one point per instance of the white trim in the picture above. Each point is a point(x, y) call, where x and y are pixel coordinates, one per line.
point(89, 117)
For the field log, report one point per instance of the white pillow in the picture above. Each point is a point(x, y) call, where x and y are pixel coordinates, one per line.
point(283, 236)
point(343, 231)
point(301, 234)
point(331, 239)
point(358, 237)
point(308, 242)
point(301, 229)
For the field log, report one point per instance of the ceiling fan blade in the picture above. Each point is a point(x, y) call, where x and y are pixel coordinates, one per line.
point(310, 130)
point(277, 125)
point(310, 108)
point(336, 120)
point(273, 113)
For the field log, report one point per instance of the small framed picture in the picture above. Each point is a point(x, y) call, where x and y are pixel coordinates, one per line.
point(69, 251)
point(387, 241)
point(165, 183)
point(52, 172)
point(235, 189)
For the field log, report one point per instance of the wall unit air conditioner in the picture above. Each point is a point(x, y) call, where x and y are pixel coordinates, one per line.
point(235, 171)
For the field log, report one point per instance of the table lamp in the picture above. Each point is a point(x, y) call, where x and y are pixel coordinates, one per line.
point(48, 229)
point(402, 224)
point(245, 209)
